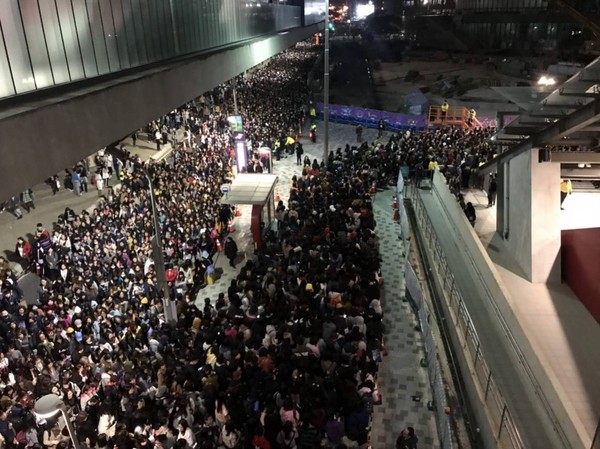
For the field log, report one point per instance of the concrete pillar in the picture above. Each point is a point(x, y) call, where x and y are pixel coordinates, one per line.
point(501, 212)
point(530, 200)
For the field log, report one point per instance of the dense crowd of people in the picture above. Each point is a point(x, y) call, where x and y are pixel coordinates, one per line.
point(285, 358)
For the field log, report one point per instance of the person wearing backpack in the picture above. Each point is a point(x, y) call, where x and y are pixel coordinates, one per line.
point(289, 413)
point(286, 438)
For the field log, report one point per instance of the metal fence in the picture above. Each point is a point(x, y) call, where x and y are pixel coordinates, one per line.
point(44, 43)
point(415, 295)
point(498, 412)
point(434, 370)
point(369, 118)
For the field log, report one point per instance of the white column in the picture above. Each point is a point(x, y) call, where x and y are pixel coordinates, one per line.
point(533, 207)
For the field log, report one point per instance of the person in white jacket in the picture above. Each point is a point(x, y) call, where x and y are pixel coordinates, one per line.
point(107, 423)
point(230, 436)
point(185, 433)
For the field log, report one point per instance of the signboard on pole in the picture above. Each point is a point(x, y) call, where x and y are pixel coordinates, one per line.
point(241, 155)
point(236, 123)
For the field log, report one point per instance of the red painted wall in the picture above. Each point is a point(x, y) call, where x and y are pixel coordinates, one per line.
point(581, 266)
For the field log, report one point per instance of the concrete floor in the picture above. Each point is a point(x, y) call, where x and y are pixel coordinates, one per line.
point(581, 211)
point(557, 324)
point(390, 86)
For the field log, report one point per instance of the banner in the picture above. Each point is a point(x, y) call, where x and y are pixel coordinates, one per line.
point(393, 122)
point(370, 117)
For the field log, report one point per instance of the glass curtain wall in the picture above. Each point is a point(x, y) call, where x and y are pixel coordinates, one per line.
point(50, 42)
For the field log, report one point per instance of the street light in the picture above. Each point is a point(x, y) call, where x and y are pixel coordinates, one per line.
point(159, 261)
point(546, 81)
point(48, 406)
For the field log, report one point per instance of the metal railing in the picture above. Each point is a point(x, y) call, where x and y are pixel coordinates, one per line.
point(431, 360)
point(500, 418)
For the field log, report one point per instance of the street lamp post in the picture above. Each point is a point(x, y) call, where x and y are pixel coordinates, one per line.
point(48, 406)
point(326, 88)
point(235, 103)
point(170, 310)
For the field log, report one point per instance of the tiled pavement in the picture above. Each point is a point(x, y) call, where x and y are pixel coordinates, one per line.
point(401, 377)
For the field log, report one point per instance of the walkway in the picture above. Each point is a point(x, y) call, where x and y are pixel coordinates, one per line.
point(496, 350)
point(401, 377)
point(48, 207)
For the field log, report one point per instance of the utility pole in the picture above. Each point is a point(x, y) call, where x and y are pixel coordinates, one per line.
point(169, 307)
point(326, 89)
point(235, 103)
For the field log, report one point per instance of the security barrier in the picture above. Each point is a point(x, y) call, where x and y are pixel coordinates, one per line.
point(440, 399)
point(369, 118)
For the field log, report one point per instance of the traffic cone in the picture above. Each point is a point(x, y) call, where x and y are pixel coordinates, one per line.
point(395, 203)
point(238, 213)
point(377, 399)
point(230, 228)
point(219, 246)
point(277, 198)
point(396, 215)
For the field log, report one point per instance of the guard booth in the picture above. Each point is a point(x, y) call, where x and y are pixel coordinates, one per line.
point(257, 190)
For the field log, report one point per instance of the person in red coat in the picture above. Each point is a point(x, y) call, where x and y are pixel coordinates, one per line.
point(23, 252)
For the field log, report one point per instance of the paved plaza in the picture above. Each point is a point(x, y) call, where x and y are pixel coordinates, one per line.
point(401, 376)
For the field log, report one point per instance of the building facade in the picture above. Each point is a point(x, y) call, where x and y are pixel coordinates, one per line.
point(527, 25)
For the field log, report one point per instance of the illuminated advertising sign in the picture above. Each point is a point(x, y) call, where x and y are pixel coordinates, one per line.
point(241, 156)
point(235, 123)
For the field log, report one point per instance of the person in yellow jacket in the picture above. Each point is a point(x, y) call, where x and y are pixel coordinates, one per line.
point(433, 165)
point(444, 108)
point(289, 144)
point(471, 116)
point(566, 188)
